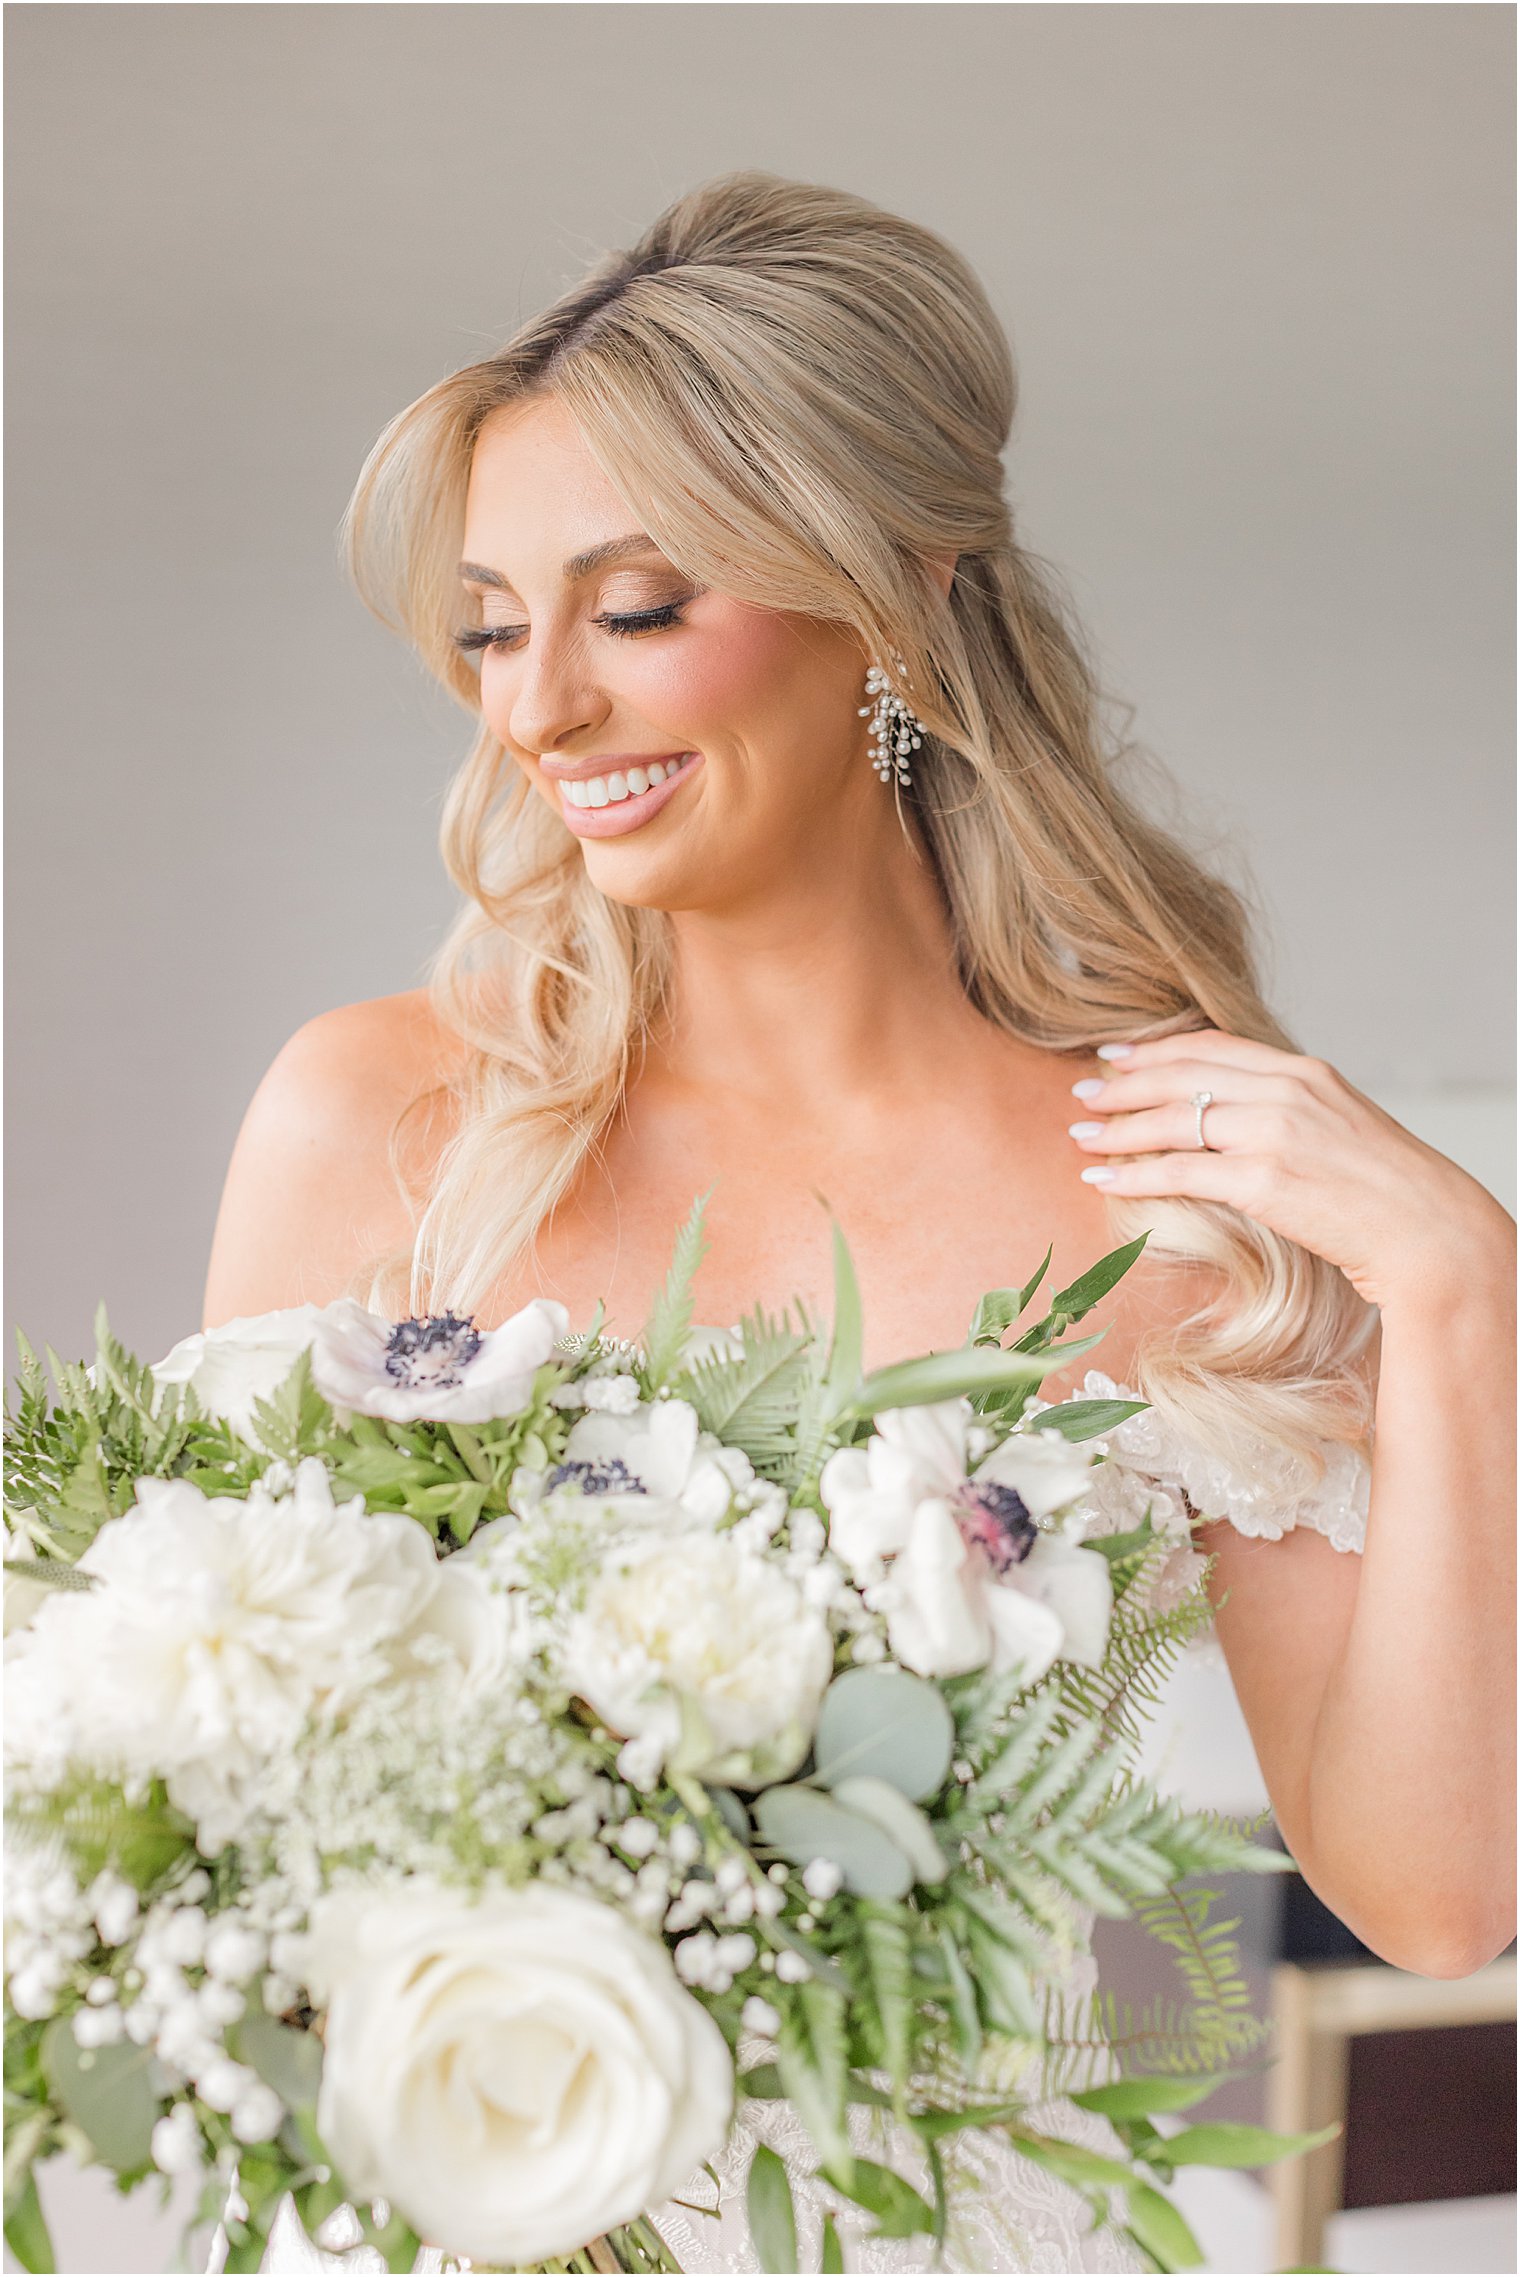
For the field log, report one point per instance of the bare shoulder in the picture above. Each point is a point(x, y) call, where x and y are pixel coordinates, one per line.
point(311, 1191)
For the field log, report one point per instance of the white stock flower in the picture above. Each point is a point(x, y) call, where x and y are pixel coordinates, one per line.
point(218, 1626)
point(694, 1641)
point(516, 2074)
point(439, 1369)
point(244, 1360)
point(973, 1580)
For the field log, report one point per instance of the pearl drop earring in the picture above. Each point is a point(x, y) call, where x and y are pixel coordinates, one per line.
point(894, 729)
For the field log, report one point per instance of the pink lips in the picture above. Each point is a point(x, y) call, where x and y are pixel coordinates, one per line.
point(627, 814)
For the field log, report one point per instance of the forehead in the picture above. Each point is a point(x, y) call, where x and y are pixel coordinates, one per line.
point(535, 486)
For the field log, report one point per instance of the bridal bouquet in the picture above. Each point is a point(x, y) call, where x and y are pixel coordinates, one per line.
point(450, 1769)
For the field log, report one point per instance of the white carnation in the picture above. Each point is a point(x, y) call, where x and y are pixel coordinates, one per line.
point(516, 2074)
point(694, 1640)
point(218, 1626)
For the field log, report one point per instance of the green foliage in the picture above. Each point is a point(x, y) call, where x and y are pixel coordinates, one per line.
point(997, 1311)
point(772, 2217)
point(109, 2094)
point(812, 2058)
point(97, 1827)
point(26, 2231)
point(887, 1724)
point(751, 1401)
point(669, 1323)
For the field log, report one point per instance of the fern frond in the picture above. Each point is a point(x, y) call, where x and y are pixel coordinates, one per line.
point(1092, 2038)
point(669, 1323)
point(1122, 1693)
point(750, 1401)
point(1205, 1951)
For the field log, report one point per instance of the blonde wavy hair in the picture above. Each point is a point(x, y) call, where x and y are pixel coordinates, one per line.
point(803, 397)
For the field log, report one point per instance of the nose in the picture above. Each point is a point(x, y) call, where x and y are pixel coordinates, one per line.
point(551, 696)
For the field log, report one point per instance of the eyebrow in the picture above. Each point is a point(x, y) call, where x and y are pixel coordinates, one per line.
point(579, 565)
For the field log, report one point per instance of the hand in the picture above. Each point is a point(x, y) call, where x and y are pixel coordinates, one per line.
point(1292, 1144)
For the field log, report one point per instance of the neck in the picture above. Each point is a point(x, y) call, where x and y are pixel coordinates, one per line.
point(837, 979)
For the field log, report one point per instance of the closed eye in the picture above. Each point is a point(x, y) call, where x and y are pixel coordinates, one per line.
point(624, 626)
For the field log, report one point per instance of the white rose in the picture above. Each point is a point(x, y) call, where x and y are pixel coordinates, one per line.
point(694, 1641)
point(244, 1360)
point(516, 2074)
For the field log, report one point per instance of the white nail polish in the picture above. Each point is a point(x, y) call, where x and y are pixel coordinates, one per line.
point(1098, 1173)
point(1088, 1088)
point(1084, 1130)
point(1114, 1051)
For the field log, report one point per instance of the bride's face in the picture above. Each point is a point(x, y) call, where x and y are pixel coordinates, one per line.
point(695, 745)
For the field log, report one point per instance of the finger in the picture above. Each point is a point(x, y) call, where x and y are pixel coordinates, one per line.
point(1227, 1125)
point(1213, 1045)
point(1156, 1085)
point(1198, 1175)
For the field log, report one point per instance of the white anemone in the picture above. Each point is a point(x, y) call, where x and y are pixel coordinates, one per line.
point(960, 1564)
point(438, 1369)
point(656, 1458)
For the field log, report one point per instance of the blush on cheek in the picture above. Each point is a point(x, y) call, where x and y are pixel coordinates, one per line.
point(731, 676)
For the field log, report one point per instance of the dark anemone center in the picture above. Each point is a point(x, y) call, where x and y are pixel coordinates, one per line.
point(995, 1520)
point(610, 1476)
point(432, 1352)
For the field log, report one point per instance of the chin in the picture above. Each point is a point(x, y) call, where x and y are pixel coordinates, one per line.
point(672, 878)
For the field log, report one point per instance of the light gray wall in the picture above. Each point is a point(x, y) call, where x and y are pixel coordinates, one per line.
point(1256, 263)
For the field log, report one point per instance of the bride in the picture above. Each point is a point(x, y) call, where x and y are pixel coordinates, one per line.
point(797, 865)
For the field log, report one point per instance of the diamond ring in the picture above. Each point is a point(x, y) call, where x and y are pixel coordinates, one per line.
point(1200, 1100)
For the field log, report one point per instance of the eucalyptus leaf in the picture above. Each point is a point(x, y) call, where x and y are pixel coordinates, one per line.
point(732, 1812)
point(288, 2060)
point(803, 1824)
point(107, 2092)
point(832, 2263)
point(883, 1723)
point(772, 2217)
point(888, 1807)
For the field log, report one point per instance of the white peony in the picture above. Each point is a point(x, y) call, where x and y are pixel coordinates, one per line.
point(218, 1626)
point(439, 1369)
point(244, 1360)
point(516, 2073)
point(696, 1642)
point(973, 1580)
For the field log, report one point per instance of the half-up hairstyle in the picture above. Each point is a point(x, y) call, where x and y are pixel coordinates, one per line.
point(804, 398)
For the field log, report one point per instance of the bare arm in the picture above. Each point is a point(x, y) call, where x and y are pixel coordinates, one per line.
point(310, 1194)
point(1379, 1690)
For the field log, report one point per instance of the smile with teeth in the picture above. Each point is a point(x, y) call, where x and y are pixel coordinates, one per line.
point(612, 790)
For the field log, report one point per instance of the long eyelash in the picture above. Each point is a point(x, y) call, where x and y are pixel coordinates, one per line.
point(641, 620)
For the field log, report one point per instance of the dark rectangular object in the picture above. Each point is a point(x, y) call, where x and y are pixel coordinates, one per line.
point(1430, 2115)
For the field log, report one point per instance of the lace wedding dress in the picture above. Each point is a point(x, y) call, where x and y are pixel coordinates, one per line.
point(1010, 2215)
